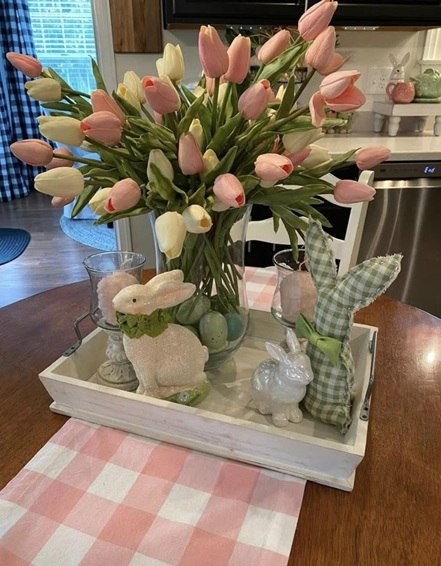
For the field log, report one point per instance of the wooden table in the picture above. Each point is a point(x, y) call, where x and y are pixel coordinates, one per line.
point(393, 515)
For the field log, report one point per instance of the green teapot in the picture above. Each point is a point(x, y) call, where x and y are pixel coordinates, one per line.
point(428, 85)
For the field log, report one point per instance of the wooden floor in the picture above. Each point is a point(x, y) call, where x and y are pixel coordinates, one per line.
point(51, 258)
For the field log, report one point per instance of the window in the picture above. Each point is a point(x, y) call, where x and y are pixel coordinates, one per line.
point(64, 39)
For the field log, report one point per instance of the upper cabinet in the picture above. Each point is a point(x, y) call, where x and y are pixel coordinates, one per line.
point(399, 13)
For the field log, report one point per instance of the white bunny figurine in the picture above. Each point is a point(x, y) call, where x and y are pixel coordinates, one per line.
point(168, 358)
point(398, 75)
point(279, 384)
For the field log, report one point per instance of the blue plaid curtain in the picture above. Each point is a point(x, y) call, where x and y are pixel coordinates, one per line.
point(18, 112)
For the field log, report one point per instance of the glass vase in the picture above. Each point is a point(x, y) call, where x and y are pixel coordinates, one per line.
point(214, 262)
point(109, 272)
point(295, 292)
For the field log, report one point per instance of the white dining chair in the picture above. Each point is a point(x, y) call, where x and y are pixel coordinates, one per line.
point(345, 251)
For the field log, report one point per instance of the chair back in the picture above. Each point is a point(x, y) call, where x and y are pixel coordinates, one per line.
point(346, 250)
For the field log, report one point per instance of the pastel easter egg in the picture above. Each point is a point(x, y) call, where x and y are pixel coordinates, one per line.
point(191, 310)
point(213, 330)
point(236, 325)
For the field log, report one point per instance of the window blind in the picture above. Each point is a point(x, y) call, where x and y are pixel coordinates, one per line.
point(64, 39)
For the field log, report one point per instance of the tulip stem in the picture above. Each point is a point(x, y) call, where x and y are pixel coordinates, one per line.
point(303, 85)
point(71, 92)
point(84, 160)
point(225, 101)
point(147, 114)
point(214, 105)
point(110, 149)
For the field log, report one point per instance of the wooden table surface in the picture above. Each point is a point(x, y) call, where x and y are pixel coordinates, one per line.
point(393, 515)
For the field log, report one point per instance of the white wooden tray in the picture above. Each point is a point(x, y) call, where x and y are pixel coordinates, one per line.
point(223, 424)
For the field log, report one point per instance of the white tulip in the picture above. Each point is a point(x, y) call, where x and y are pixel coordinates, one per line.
point(172, 63)
point(60, 182)
point(318, 156)
point(44, 90)
point(197, 220)
point(98, 200)
point(210, 160)
point(129, 95)
point(62, 129)
point(133, 83)
point(198, 132)
point(158, 158)
point(170, 233)
point(296, 141)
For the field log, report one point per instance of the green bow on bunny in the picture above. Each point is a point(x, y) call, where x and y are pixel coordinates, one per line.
point(329, 395)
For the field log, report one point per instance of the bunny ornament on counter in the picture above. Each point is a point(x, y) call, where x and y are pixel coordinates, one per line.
point(329, 395)
point(399, 90)
point(279, 384)
point(168, 358)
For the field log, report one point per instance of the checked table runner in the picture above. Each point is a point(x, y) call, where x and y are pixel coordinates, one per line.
point(98, 496)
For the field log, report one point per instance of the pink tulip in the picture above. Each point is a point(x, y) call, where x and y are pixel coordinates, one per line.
point(335, 84)
point(349, 192)
point(273, 167)
point(316, 19)
point(33, 152)
point(274, 46)
point(123, 195)
point(161, 94)
point(321, 52)
point(335, 63)
point(25, 63)
point(317, 109)
point(338, 93)
point(370, 157)
point(228, 189)
point(58, 161)
point(102, 126)
point(239, 54)
point(189, 155)
point(212, 52)
point(59, 202)
point(254, 100)
point(100, 100)
point(298, 157)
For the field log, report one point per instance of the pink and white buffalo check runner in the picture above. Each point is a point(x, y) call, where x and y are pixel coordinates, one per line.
point(98, 496)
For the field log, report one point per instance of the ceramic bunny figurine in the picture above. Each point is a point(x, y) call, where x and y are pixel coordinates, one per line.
point(329, 395)
point(168, 358)
point(398, 75)
point(279, 384)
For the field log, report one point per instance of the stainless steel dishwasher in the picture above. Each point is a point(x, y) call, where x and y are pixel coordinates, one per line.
point(405, 216)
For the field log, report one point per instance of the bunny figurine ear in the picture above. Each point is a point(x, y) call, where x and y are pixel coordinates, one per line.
point(292, 341)
point(405, 59)
point(320, 256)
point(393, 59)
point(276, 352)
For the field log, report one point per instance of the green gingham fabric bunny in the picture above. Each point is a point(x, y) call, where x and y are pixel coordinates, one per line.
point(329, 395)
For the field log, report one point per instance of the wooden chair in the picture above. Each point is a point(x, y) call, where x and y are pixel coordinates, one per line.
point(346, 251)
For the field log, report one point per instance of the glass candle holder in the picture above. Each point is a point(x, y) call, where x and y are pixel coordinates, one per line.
point(109, 272)
point(295, 292)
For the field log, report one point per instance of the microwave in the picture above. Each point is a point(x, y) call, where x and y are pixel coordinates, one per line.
point(354, 13)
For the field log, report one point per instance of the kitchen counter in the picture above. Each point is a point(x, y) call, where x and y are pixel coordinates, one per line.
point(418, 147)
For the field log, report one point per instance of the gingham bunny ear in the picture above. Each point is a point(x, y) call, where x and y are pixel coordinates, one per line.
point(320, 256)
point(367, 281)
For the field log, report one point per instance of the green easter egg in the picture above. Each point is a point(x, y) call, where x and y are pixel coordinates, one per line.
point(236, 325)
point(191, 310)
point(213, 330)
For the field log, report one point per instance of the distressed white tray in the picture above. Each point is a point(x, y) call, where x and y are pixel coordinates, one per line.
point(223, 424)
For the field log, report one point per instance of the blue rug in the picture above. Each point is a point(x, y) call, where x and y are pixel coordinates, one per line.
point(13, 242)
point(86, 232)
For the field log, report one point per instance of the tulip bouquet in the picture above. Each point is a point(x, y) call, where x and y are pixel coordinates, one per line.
point(197, 159)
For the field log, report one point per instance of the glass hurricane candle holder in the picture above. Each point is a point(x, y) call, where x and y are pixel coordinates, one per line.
point(295, 292)
point(109, 272)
